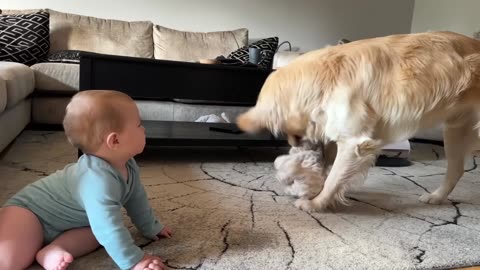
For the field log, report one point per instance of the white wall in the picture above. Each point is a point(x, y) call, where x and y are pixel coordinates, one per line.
point(307, 24)
point(460, 16)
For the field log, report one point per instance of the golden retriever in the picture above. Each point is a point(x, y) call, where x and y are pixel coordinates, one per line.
point(365, 94)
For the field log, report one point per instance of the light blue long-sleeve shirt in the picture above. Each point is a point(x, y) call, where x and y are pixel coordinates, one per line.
point(92, 193)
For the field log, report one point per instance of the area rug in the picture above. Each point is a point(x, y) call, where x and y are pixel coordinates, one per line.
point(228, 211)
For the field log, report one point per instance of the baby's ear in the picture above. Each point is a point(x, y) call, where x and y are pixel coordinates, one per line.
point(251, 121)
point(111, 140)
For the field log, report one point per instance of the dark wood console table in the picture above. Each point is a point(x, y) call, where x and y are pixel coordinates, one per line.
point(171, 133)
point(151, 79)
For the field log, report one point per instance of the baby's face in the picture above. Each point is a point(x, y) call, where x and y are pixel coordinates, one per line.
point(133, 135)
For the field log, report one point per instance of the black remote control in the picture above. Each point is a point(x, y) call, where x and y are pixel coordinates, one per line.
point(232, 130)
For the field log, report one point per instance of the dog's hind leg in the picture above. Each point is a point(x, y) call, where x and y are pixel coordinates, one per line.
point(354, 158)
point(459, 137)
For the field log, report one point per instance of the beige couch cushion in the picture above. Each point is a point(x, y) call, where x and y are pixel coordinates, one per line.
point(13, 121)
point(77, 32)
point(19, 11)
point(3, 95)
point(49, 110)
point(177, 45)
point(19, 81)
point(56, 76)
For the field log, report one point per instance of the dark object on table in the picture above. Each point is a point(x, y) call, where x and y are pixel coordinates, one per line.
point(233, 129)
point(384, 161)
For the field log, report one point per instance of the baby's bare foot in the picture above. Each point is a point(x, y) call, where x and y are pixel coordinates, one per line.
point(54, 258)
point(149, 262)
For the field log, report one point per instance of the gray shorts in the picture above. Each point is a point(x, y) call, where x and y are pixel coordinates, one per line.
point(49, 233)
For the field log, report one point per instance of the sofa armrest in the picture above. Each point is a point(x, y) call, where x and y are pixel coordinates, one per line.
point(16, 83)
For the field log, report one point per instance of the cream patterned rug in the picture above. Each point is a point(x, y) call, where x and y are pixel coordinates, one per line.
point(228, 211)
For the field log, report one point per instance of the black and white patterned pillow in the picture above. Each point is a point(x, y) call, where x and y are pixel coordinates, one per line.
point(24, 38)
point(66, 56)
point(267, 46)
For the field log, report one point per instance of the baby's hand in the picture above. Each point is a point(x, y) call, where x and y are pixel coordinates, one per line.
point(149, 262)
point(166, 232)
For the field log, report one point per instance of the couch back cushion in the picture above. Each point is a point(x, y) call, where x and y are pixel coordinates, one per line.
point(177, 45)
point(20, 11)
point(77, 32)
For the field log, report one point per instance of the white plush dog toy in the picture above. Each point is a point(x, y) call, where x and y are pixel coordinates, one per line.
point(303, 171)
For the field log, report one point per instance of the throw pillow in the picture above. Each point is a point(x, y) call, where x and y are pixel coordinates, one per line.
point(65, 56)
point(24, 38)
point(267, 47)
point(171, 44)
point(107, 36)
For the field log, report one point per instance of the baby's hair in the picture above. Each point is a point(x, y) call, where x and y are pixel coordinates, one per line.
point(92, 114)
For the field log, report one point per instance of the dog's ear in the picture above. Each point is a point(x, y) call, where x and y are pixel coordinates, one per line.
point(296, 128)
point(251, 121)
point(296, 124)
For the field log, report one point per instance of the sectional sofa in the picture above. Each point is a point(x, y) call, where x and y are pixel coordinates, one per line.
point(39, 93)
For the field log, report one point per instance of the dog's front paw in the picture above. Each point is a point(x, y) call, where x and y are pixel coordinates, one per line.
point(432, 198)
point(309, 205)
point(304, 204)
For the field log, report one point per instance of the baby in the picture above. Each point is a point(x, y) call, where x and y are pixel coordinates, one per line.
point(75, 210)
point(304, 170)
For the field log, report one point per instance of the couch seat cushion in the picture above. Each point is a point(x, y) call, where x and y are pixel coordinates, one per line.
point(77, 32)
point(17, 81)
point(56, 77)
point(177, 45)
point(3, 95)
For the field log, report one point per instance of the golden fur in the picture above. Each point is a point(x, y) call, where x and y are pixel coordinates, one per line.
point(365, 94)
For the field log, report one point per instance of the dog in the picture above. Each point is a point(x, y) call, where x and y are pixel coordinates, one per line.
point(303, 171)
point(368, 93)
